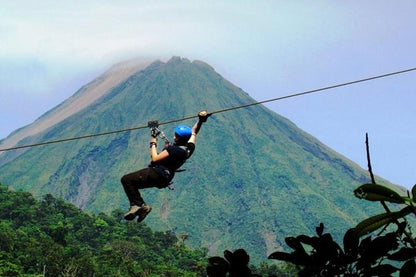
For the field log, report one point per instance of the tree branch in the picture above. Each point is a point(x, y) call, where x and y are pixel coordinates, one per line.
point(371, 170)
point(368, 159)
point(407, 234)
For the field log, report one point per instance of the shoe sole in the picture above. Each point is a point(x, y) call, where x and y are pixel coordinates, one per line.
point(131, 216)
point(142, 214)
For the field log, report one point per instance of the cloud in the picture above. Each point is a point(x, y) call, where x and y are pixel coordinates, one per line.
point(104, 29)
point(70, 33)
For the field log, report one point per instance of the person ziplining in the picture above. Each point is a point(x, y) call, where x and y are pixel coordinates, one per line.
point(163, 165)
point(219, 111)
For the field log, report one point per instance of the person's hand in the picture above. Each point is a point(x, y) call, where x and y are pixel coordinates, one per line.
point(203, 116)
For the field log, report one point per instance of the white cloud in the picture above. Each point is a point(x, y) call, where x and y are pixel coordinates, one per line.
point(97, 29)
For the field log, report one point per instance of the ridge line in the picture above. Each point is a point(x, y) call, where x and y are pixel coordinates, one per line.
point(215, 112)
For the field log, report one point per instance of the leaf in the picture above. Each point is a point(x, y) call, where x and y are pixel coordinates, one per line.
point(379, 247)
point(351, 242)
point(374, 192)
point(373, 223)
point(283, 256)
point(228, 255)
point(294, 243)
point(364, 245)
point(296, 257)
point(320, 229)
point(216, 260)
point(240, 257)
point(414, 193)
point(401, 227)
point(328, 249)
point(403, 254)
point(217, 266)
point(312, 241)
point(408, 269)
point(382, 270)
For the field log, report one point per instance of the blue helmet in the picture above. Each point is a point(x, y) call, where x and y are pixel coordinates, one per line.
point(183, 131)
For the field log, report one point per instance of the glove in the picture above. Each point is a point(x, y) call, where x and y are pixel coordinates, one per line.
point(203, 116)
point(154, 132)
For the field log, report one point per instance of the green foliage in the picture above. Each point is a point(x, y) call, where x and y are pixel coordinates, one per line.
point(320, 255)
point(58, 239)
point(374, 192)
point(236, 264)
point(375, 222)
point(383, 254)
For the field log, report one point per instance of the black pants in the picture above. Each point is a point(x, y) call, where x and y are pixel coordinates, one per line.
point(142, 179)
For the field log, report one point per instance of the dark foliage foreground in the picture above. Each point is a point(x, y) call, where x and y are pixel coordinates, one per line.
point(391, 251)
point(54, 238)
point(364, 253)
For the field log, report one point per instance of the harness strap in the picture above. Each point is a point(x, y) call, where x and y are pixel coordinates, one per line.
point(186, 150)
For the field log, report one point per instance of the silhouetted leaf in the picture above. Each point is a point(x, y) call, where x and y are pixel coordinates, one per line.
point(351, 242)
point(373, 223)
point(401, 227)
point(362, 248)
point(235, 263)
point(382, 270)
point(217, 266)
point(327, 249)
point(374, 192)
point(312, 241)
point(294, 243)
point(240, 257)
point(403, 254)
point(408, 269)
point(320, 229)
point(414, 193)
point(282, 256)
point(294, 258)
point(228, 255)
point(380, 246)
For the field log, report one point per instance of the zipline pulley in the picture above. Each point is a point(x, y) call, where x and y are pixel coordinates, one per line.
point(156, 132)
point(155, 124)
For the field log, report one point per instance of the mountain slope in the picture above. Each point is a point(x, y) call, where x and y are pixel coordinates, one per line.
point(253, 179)
point(80, 100)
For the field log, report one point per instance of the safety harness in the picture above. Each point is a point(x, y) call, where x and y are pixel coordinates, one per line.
point(156, 132)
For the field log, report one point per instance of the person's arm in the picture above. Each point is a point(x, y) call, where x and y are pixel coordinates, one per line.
point(154, 156)
point(202, 117)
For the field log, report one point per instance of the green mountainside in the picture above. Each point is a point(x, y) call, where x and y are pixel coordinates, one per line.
point(254, 178)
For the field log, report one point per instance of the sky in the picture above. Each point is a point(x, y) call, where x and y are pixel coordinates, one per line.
point(49, 49)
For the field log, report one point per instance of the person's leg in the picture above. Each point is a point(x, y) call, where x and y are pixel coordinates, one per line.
point(132, 182)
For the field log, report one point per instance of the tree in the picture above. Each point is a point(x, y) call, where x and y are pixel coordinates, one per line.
point(235, 264)
point(364, 253)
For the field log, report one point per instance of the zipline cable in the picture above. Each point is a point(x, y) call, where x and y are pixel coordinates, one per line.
point(215, 112)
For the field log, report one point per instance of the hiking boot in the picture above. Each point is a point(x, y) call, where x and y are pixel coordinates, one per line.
point(131, 214)
point(143, 212)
